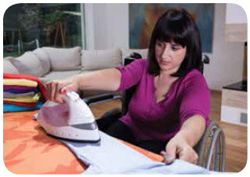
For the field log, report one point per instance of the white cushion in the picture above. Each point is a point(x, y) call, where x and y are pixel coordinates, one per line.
point(29, 64)
point(58, 75)
point(128, 52)
point(8, 67)
point(64, 59)
point(44, 59)
point(100, 59)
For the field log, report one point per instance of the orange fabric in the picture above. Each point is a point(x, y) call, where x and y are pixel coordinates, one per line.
point(28, 150)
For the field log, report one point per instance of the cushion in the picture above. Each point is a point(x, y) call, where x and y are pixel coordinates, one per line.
point(8, 67)
point(28, 64)
point(44, 59)
point(100, 59)
point(57, 75)
point(127, 52)
point(64, 58)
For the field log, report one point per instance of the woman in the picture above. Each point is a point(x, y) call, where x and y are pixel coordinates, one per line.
point(169, 110)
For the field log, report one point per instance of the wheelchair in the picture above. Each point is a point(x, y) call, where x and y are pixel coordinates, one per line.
point(210, 148)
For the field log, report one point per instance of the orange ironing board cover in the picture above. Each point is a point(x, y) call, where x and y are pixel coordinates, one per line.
point(28, 150)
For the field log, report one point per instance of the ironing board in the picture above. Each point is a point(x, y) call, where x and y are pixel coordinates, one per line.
point(28, 150)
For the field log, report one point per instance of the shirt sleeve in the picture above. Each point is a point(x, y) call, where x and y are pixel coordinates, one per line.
point(195, 99)
point(131, 74)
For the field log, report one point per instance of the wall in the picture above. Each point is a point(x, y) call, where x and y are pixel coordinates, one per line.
point(236, 23)
point(226, 66)
point(110, 30)
point(235, 9)
point(106, 26)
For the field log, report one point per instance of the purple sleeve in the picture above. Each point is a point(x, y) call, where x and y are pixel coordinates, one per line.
point(196, 99)
point(131, 74)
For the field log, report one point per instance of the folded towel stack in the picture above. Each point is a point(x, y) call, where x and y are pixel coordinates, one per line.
point(22, 93)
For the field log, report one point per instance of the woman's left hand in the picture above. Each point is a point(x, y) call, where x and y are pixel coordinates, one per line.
point(178, 148)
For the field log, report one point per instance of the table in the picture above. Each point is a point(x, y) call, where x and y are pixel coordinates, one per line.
point(234, 103)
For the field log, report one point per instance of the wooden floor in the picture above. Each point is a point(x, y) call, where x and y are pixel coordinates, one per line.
point(236, 136)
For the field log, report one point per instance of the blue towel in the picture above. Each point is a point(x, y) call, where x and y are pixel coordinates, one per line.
point(20, 91)
point(14, 108)
point(110, 156)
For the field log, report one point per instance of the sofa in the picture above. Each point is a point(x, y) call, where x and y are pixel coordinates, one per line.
point(48, 63)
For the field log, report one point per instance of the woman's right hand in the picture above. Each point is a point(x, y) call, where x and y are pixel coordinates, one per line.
point(56, 88)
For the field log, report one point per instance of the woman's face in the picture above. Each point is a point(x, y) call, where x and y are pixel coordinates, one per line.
point(169, 56)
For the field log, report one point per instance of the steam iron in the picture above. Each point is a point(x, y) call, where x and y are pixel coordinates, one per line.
point(72, 120)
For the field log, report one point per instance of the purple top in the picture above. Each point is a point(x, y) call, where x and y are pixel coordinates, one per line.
point(149, 120)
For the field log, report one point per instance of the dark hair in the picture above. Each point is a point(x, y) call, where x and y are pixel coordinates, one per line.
point(176, 25)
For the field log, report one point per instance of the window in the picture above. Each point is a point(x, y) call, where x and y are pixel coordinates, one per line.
point(28, 26)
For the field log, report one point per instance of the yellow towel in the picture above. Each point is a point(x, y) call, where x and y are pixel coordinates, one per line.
point(24, 99)
point(20, 82)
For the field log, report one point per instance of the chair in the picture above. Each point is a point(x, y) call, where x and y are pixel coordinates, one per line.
point(210, 148)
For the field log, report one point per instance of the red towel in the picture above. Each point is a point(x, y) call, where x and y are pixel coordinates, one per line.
point(33, 78)
point(20, 103)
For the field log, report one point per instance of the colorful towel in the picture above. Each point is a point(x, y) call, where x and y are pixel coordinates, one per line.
point(13, 95)
point(24, 99)
point(6, 87)
point(21, 82)
point(20, 91)
point(32, 78)
point(14, 108)
point(20, 103)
